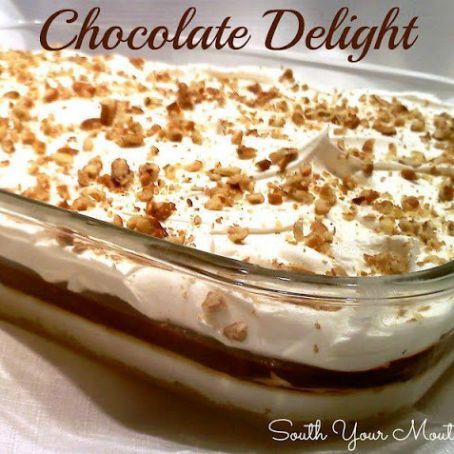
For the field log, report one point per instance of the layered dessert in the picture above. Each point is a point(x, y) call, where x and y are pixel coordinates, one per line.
point(253, 164)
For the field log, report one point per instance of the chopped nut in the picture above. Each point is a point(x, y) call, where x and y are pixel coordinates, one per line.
point(39, 147)
point(90, 171)
point(237, 234)
point(84, 90)
point(11, 95)
point(246, 152)
point(22, 109)
point(121, 173)
point(385, 128)
point(446, 192)
point(418, 126)
point(350, 213)
point(444, 127)
point(137, 62)
point(129, 134)
point(196, 137)
point(305, 170)
point(277, 122)
point(236, 331)
point(194, 166)
point(410, 203)
point(368, 145)
point(275, 198)
point(88, 144)
point(95, 193)
point(184, 97)
point(387, 225)
point(83, 203)
point(284, 157)
point(367, 196)
point(51, 95)
point(263, 165)
point(227, 171)
point(255, 198)
point(160, 210)
point(62, 159)
point(28, 137)
point(322, 207)
point(298, 118)
point(170, 171)
point(408, 227)
point(90, 124)
point(237, 138)
point(298, 231)
point(8, 146)
point(68, 150)
point(409, 174)
point(327, 200)
point(319, 238)
point(146, 194)
point(148, 173)
point(287, 75)
point(387, 263)
point(63, 191)
point(108, 112)
point(349, 183)
point(214, 302)
point(215, 203)
point(154, 151)
point(450, 228)
point(41, 191)
point(147, 225)
point(117, 220)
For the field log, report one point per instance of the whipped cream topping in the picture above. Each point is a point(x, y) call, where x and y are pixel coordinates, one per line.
point(229, 152)
point(249, 164)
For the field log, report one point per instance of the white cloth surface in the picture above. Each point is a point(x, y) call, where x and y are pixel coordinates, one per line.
point(53, 400)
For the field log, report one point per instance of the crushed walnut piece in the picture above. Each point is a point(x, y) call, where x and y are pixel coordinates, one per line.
point(147, 225)
point(387, 263)
point(160, 210)
point(236, 331)
point(90, 171)
point(237, 234)
point(121, 174)
point(214, 302)
point(246, 152)
point(319, 238)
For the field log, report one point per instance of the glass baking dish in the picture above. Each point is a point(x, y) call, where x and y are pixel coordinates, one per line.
point(367, 346)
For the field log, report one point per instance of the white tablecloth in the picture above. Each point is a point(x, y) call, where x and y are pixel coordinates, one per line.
point(54, 400)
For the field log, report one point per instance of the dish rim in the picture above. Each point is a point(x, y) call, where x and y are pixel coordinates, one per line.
point(225, 270)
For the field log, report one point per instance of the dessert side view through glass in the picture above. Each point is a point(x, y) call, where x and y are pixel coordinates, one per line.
point(242, 234)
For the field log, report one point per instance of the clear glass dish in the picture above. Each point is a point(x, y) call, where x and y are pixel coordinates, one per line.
point(383, 341)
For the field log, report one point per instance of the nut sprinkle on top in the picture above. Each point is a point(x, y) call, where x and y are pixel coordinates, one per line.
point(251, 164)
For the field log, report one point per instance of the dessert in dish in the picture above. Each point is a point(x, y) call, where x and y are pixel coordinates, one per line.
point(250, 164)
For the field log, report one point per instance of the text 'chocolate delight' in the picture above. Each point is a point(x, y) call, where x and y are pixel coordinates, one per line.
point(285, 29)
